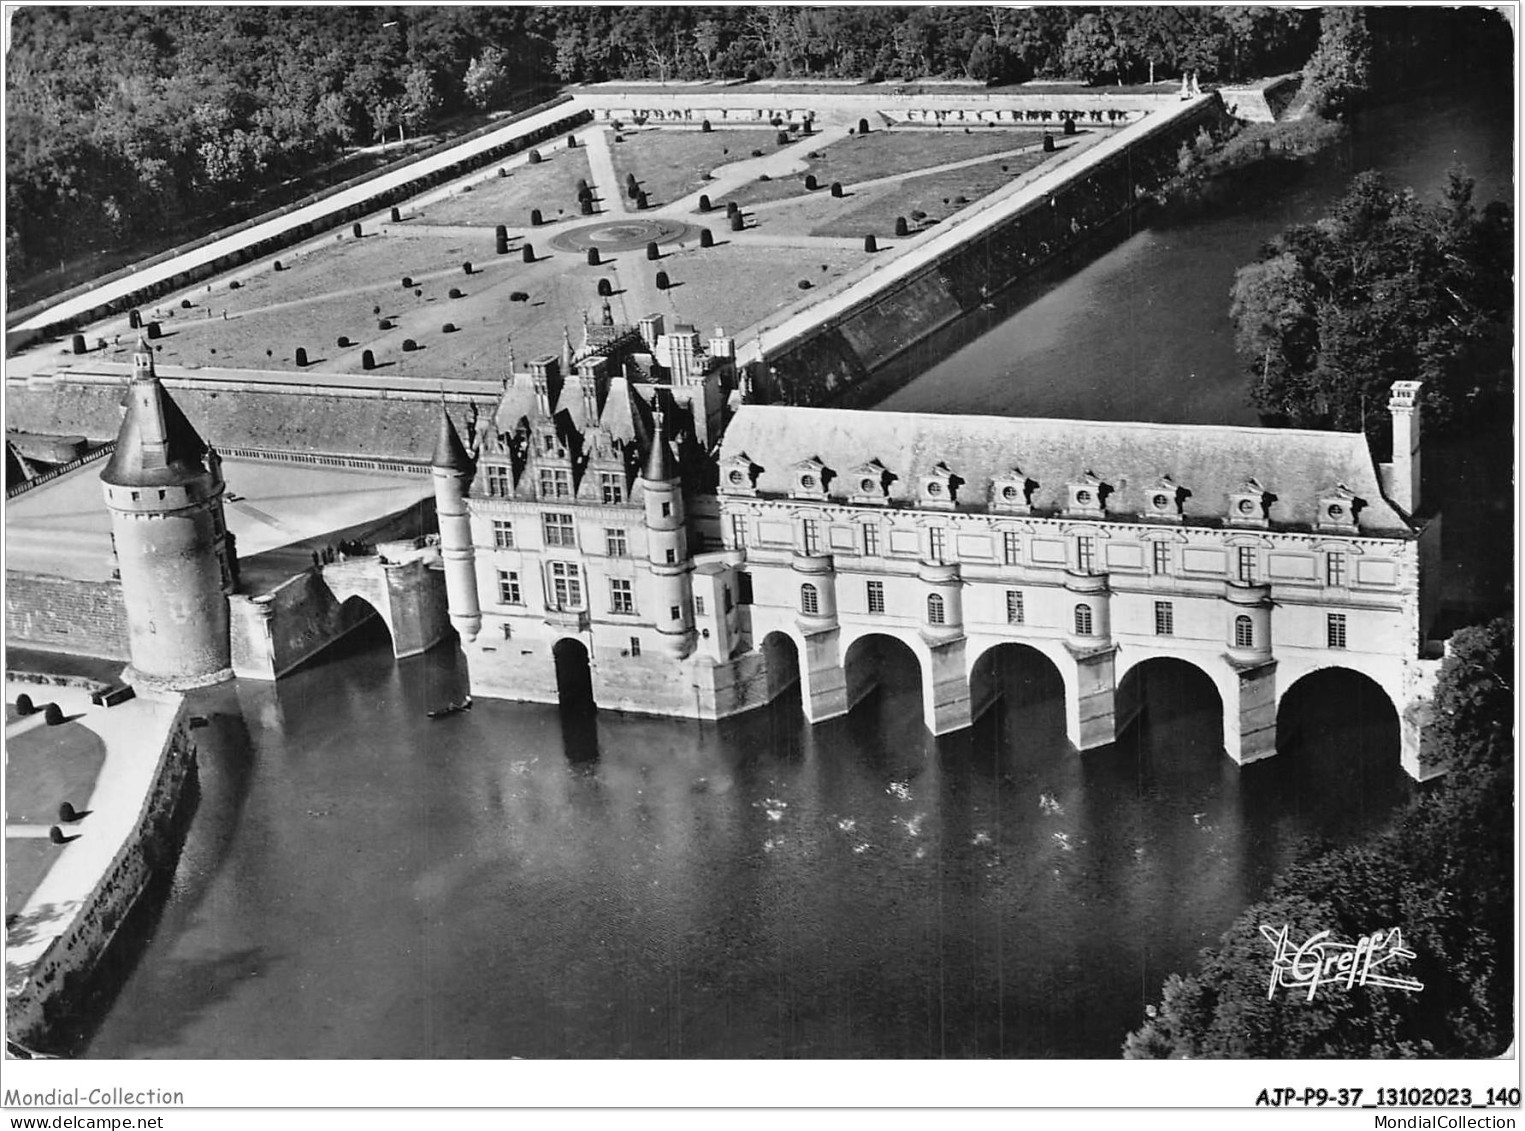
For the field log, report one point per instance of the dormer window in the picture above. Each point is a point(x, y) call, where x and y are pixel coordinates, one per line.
point(939, 488)
point(1339, 511)
point(1251, 505)
point(870, 483)
point(1012, 493)
point(738, 475)
point(1166, 501)
point(810, 478)
point(1088, 496)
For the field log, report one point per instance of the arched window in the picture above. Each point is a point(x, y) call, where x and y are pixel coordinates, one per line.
point(935, 610)
point(1244, 632)
point(810, 603)
point(1083, 625)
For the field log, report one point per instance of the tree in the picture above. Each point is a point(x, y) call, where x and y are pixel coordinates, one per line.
point(1340, 70)
point(420, 98)
point(1443, 874)
point(486, 79)
point(1384, 288)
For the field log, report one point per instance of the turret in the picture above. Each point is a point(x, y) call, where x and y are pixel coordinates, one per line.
point(453, 470)
point(667, 544)
point(164, 489)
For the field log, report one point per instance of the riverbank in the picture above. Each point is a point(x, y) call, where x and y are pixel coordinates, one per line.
point(135, 820)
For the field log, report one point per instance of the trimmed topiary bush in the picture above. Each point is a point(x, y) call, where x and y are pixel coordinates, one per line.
point(571, 142)
point(519, 296)
point(641, 202)
point(24, 704)
point(278, 266)
point(585, 206)
point(407, 281)
point(53, 715)
point(653, 252)
point(582, 186)
point(418, 292)
point(619, 137)
point(584, 193)
point(153, 330)
point(863, 125)
point(234, 285)
point(447, 328)
point(783, 137)
point(301, 356)
point(135, 319)
point(355, 229)
point(870, 243)
point(836, 189)
point(367, 360)
point(500, 245)
point(706, 238)
point(605, 288)
point(804, 284)
point(78, 344)
point(704, 203)
point(593, 260)
point(764, 177)
point(502, 172)
point(466, 267)
point(535, 218)
point(454, 292)
point(409, 345)
point(344, 342)
point(1048, 143)
point(738, 221)
point(529, 253)
point(811, 184)
point(901, 227)
point(185, 304)
point(705, 127)
point(757, 153)
point(56, 835)
point(534, 157)
point(731, 208)
point(1069, 126)
point(396, 215)
point(375, 310)
point(807, 127)
point(67, 814)
point(662, 281)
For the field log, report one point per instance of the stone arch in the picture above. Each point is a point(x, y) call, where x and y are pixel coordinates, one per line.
point(860, 661)
point(574, 673)
point(781, 657)
point(360, 580)
point(1159, 683)
point(1010, 667)
point(1350, 698)
point(357, 610)
point(1217, 671)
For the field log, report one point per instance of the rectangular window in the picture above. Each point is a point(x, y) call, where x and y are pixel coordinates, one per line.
point(1085, 553)
point(729, 604)
point(559, 530)
point(1164, 619)
point(1336, 565)
point(876, 596)
point(502, 534)
point(1161, 557)
point(508, 587)
point(621, 596)
point(871, 540)
point(566, 586)
point(1010, 546)
point(812, 536)
point(666, 510)
point(614, 543)
point(1015, 614)
point(739, 531)
point(937, 544)
point(1246, 557)
point(612, 487)
point(555, 483)
point(698, 605)
point(672, 557)
point(674, 613)
point(744, 588)
point(497, 481)
point(1336, 630)
point(635, 645)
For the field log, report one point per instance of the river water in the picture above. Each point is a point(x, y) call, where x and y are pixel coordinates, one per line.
point(360, 881)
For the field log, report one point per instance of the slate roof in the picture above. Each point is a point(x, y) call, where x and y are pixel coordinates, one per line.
point(1210, 461)
point(449, 452)
point(140, 462)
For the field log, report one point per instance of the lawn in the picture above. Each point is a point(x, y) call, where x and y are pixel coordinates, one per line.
point(669, 164)
point(939, 195)
point(884, 153)
point(548, 186)
point(49, 765)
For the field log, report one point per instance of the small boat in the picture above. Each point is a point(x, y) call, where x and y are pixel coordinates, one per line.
point(442, 712)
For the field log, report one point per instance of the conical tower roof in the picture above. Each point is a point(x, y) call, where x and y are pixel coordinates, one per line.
point(156, 445)
point(449, 453)
point(660, 466)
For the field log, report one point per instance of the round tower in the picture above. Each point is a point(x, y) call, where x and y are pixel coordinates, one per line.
point(667, 545)
point(164, 490)
point(453, 470)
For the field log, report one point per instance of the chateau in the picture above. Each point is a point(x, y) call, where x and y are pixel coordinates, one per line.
point(594, 548)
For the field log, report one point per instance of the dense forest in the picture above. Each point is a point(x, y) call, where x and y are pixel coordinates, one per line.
point(127, 122)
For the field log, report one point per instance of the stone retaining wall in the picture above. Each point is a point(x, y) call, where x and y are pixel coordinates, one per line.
point(86, 618)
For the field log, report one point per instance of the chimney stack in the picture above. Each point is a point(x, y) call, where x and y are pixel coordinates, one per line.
point(1403, 477)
